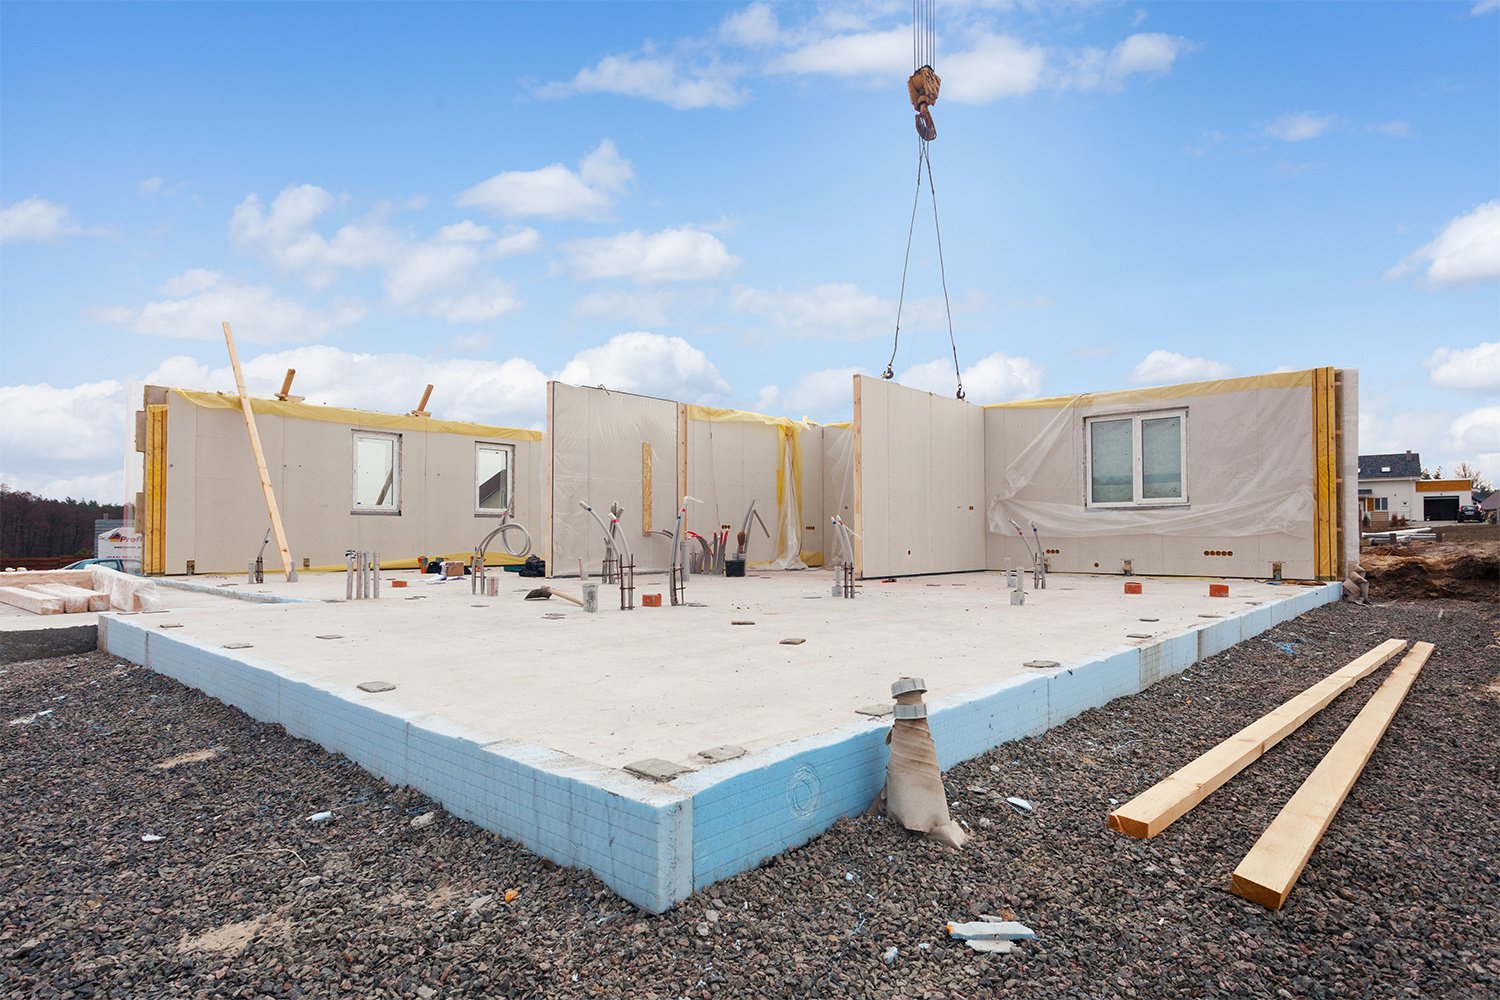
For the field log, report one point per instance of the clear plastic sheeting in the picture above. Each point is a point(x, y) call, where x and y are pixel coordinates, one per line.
point(1248, 467)
point(789, 509)
point(126, 592)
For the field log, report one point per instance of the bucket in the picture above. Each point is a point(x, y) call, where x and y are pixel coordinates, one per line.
point(734, 567)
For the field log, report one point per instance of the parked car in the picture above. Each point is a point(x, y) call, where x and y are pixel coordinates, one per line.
point(1470, 512)
point(110, 562)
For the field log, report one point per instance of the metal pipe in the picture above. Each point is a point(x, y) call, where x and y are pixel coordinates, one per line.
point(348, 574)
point(375, 571)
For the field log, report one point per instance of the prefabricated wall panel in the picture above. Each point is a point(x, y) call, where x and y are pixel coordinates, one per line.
point(734, 458)
point(215, 512)
point(1249, 482)
point(596, 438)
point(920, 499)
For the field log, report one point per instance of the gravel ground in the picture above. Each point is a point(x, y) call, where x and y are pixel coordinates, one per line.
point(243, 897)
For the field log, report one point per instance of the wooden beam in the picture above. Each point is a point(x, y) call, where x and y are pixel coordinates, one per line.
point(1274, 864)
point(153, 513)
point(260, 459)
point(26, 578)
point(421, 410)
point(28, 600)
point(645, 488)
point(1159, 806)
point(285, 395)
point(76, 600)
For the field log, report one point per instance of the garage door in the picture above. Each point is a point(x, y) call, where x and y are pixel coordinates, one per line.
point(1440, 508)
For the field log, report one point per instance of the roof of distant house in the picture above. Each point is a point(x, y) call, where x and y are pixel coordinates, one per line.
point(1402, 465)
point(1491, 502)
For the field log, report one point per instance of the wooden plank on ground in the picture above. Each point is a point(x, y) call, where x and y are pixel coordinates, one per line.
point(75, 599)
point(1159, 806)
point(1274, 864)
point(71, 577)
point(27, 600)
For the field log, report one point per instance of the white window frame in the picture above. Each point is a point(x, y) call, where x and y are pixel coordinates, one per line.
point(510, 483)
point(1382, 505)
point(354, 505)
point(1138, 499)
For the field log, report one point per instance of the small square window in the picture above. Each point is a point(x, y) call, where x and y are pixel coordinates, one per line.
point(1137, 459)
point(492, 477)
point(377, 473)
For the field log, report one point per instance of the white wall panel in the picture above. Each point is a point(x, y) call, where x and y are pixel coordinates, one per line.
point(919, 481)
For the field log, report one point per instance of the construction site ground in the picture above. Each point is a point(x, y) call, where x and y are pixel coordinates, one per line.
point(1463, 564)
point(243, 896)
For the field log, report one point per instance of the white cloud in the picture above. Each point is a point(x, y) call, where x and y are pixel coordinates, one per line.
point(837, 311)
point(442, 276)
point(57, 441)
point(198, 301)
point(656, 78)
point(555, 191)
point(463, 232)
point(37, 220)
point(1145, 54)
point(1477, 433)
point(1395, 128)
point(685, 253)
point(859, 54)
point(650, 364)
point(996, 66)
point(149, 185)
point(1476, 369)
point(752, 27)
point(826, 396)
point(284, 235)
point(1300, 126)
point(1466, 252)
point(514, 242)
point(1484, 7)
point(646, 307)
point(992, 379)
point(1168, 367)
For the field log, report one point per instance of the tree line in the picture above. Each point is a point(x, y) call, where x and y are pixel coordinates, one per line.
point(33, 526)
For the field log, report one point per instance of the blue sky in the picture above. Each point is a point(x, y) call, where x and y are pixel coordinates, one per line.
point(709, 201)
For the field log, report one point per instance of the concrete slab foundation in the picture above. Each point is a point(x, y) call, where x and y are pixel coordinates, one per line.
point(524, 724)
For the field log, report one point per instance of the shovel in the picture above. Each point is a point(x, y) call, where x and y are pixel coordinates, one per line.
point(542, 593)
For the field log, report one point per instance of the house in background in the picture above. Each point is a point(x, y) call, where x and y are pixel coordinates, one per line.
point(1388, 488)
point(1392, 486)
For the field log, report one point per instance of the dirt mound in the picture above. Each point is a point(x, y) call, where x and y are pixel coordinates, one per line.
point(1466, 572)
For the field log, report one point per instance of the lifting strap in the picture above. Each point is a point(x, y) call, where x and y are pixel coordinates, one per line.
point(922, 87)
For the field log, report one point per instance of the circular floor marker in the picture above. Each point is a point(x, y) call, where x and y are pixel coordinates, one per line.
point(1041, 664)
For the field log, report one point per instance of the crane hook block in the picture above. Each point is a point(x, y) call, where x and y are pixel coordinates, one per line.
point(922, 87)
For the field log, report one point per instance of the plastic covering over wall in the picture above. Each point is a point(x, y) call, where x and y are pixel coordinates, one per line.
point(601, 443)
point(215, 514)
point(734, 457)
point(1248, 482)
point(920, 486)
